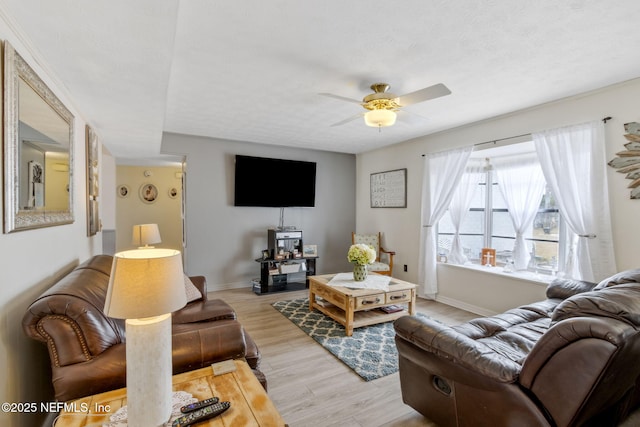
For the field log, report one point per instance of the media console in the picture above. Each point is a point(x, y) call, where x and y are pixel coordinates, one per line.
point(284, 268)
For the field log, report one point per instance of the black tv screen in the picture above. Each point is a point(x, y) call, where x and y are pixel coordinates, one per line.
point(277, 183)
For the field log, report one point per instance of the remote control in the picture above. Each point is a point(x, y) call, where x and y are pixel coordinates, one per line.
point(197, 405)
point(201, 414)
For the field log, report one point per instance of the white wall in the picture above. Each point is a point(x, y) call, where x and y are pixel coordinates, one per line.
point(402, 226)
point(485, 293)
point(31, 262)
point(108, 191)
point(107, 202)
point(223, 241)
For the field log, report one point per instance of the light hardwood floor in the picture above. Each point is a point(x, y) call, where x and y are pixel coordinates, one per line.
point(310, 387)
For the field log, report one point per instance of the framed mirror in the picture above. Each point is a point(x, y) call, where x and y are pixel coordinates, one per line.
point(38, 150)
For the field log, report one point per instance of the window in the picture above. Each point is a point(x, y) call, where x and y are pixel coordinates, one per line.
point(488, 224)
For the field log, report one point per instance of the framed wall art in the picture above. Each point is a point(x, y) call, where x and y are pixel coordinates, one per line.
point(93, 181)
point(148, 193)
point(309, 251)
point(123, 190)
point(36, 185)
point(389, 189)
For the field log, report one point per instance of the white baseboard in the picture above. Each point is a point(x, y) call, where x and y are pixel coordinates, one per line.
point(465, 306)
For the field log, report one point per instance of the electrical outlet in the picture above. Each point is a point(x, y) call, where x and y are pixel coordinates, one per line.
point(405, 267)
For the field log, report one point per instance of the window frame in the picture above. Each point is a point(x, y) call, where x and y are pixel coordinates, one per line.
point(487, 233)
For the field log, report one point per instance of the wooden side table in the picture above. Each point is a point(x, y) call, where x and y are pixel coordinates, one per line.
point(250, 404)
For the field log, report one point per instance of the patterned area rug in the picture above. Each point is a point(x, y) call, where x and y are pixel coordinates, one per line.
point(370, 352)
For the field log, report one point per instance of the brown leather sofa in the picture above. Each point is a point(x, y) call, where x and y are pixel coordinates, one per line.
point(87, 348)
point(571, 360)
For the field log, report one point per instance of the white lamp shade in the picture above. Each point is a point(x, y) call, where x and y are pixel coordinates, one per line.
point(380, 118)
point(145, 283)
point(146, 234)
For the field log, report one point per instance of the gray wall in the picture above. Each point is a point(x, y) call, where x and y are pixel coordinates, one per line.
point(223, 241)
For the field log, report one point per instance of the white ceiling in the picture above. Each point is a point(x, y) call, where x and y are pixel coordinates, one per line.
point(251, 70)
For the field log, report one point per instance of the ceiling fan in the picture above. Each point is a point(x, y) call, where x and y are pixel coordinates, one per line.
point(382, 106)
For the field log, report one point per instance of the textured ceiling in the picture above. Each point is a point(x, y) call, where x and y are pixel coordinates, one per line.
point(252, 70)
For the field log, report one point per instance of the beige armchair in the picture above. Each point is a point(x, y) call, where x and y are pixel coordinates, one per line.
point(381, 265)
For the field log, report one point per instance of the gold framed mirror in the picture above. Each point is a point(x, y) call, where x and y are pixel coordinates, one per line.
point(38, 150)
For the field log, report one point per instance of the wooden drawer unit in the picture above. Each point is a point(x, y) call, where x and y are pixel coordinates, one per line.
point(329, 294)
point(396, 297)
point(368, 301)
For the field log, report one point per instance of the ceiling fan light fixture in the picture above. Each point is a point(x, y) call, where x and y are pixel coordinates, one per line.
point(380, 118)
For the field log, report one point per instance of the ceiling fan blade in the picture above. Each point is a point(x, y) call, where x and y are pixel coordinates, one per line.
point(341, 98)
point(350, 119)
point(412, 118)
point(431, 92)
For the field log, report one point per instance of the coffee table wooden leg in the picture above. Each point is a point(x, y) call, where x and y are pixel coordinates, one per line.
point(412, 303)
point(348, 314)
point(312, 299)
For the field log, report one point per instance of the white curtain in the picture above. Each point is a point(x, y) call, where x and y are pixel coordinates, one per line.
point(522, 184)
point(459, 206)
point(442, 172)
point(574, 165)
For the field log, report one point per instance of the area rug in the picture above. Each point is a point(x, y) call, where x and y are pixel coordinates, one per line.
point(370, 352)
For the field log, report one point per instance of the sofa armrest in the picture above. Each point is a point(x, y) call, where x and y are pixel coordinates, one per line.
point(458, 349)
point(73, 329)
point(252, 354)
point(582, 367)
point(561, 335)
point(200, 282)
point(204, 311)
point(100, 374)
point(197, 345)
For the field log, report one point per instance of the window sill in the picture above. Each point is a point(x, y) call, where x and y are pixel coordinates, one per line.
point(526, 276)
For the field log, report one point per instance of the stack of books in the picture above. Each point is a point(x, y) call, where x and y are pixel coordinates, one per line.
point(392, 308)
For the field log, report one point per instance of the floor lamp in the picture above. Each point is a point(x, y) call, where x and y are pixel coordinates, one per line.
point(146, 285)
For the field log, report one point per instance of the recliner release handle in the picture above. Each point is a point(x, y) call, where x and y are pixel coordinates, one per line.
point(441, 385)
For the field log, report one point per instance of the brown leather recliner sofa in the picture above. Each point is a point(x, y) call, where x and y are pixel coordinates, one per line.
point(87, 348)
point(571, 360)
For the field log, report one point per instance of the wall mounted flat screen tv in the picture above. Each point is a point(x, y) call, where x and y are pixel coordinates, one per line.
point(278, 183)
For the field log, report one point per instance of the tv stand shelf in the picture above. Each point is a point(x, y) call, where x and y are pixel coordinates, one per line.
point(279, 275)
point(283, 266)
